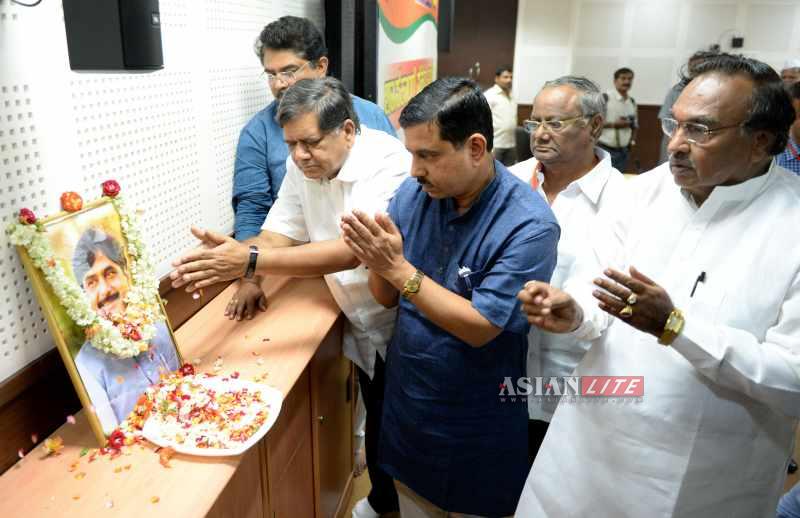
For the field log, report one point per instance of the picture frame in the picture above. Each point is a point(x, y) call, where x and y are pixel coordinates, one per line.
point(91, 249)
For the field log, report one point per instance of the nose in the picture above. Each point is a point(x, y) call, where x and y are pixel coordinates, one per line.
point(417, 171)
point(677, 142)
point(300, 153)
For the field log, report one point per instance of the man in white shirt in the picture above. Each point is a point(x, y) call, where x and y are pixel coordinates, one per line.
point(577, 180)
point(334, 167)
point(790, 73)
point(717, 238)
point(504, 116)
point(619, 130)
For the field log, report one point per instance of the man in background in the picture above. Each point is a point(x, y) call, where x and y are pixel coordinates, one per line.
point(577, 180)
point(791, 71)
point(290, 49)
point(619, 130)
point(504, 115)
point(790, 158)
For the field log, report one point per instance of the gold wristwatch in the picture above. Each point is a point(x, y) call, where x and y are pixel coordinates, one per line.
point(411, 286)
point(672, 328)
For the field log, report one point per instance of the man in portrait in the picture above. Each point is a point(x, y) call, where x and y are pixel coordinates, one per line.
point(114, 384)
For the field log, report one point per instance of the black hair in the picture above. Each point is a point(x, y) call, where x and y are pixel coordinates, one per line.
point(92, 241)
point(624, 70)
point(326, 97)
point(503, 68)
point(292, 33)
point(794, 91)
point(770, 108)
point(456, 105)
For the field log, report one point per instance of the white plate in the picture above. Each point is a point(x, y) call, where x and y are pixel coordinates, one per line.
point(271, 396)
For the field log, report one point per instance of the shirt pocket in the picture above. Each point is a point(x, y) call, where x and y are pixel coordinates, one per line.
point(467, 282)
point(706, 303)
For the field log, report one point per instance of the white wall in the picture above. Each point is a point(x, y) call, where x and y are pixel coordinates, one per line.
point(652, 37)
point(168, 137)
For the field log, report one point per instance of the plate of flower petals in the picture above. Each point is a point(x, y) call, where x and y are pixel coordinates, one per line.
point(210, 415)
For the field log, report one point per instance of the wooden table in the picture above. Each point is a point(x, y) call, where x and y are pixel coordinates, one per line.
point(300, 314)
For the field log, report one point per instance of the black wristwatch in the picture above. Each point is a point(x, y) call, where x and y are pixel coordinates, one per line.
point(251, 265)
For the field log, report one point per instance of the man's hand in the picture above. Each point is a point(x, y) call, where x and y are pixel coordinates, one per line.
point(377, 243)
point(623, 122)
point(218, 258)
point(549, 308)
point(246, 300)
point(650, 305)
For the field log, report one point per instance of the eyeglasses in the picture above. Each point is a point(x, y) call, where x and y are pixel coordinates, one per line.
point(694, 132)
point(285, 76)
point(553, 126)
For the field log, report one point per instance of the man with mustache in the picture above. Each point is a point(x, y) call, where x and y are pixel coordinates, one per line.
point(290, 49)
point(336, 166)
point(619, 133)
point(114, 384)
point(707, 313)
point(457, 243)
point(578, 181)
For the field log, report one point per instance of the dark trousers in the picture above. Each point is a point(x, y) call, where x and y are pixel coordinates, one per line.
point(536, 432)
point(619, 157)
point(383, 495)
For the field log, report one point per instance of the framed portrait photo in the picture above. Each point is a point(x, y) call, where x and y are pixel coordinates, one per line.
point(90, 273)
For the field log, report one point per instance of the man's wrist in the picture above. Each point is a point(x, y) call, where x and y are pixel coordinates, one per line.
point(398, 276)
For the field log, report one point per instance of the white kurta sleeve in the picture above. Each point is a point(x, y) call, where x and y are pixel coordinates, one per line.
point(767, 371)
point(389, 173)
point(286, 217)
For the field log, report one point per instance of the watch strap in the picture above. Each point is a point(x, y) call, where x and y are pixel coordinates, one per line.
point(251, 264)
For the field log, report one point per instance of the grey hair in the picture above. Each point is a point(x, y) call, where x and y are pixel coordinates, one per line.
point(591, 98)
point(326, 97)
point(85, 253)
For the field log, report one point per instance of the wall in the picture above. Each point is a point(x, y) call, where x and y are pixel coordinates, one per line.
point(168, 137)
point(483, 32)
point(653, 37)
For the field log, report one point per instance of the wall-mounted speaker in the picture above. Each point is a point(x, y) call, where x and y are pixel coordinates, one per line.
point(113, 34)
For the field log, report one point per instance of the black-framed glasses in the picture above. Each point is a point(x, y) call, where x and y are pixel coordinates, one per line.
point(553, 126)
point(285, 76)
point(693, 132)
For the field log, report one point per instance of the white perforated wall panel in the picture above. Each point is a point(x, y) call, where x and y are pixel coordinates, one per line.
point(169, 137)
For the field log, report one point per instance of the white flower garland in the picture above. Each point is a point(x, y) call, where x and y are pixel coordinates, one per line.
point(142, 301)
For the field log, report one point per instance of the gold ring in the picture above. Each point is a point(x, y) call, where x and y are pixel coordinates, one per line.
point(632, 299)
point(626, 311)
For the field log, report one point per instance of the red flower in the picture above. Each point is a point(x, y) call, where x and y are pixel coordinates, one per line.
point(116, 440)
point(110, 188)
point(27, 216)
point(71, 201)
point(187, 369)
point(131, 332)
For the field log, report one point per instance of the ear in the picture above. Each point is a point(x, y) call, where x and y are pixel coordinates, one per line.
point(762, 142)
point(476, 145)
point(349, 130)
point(322, 66)
point(596, 125)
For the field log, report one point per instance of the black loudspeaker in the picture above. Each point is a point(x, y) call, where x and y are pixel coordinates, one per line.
point(113, 34)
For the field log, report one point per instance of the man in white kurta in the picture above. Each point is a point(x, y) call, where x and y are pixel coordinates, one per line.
point(714, 234)
point(583, 189)
point(332, 169)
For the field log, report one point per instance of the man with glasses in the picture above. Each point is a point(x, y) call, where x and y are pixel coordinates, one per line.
point(790, 158)
point(290, 49)
point(335, 166)
point(580, 184)
point(706, 325)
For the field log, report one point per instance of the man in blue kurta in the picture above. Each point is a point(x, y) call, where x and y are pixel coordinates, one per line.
point(290, 49)
point(459, 238)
